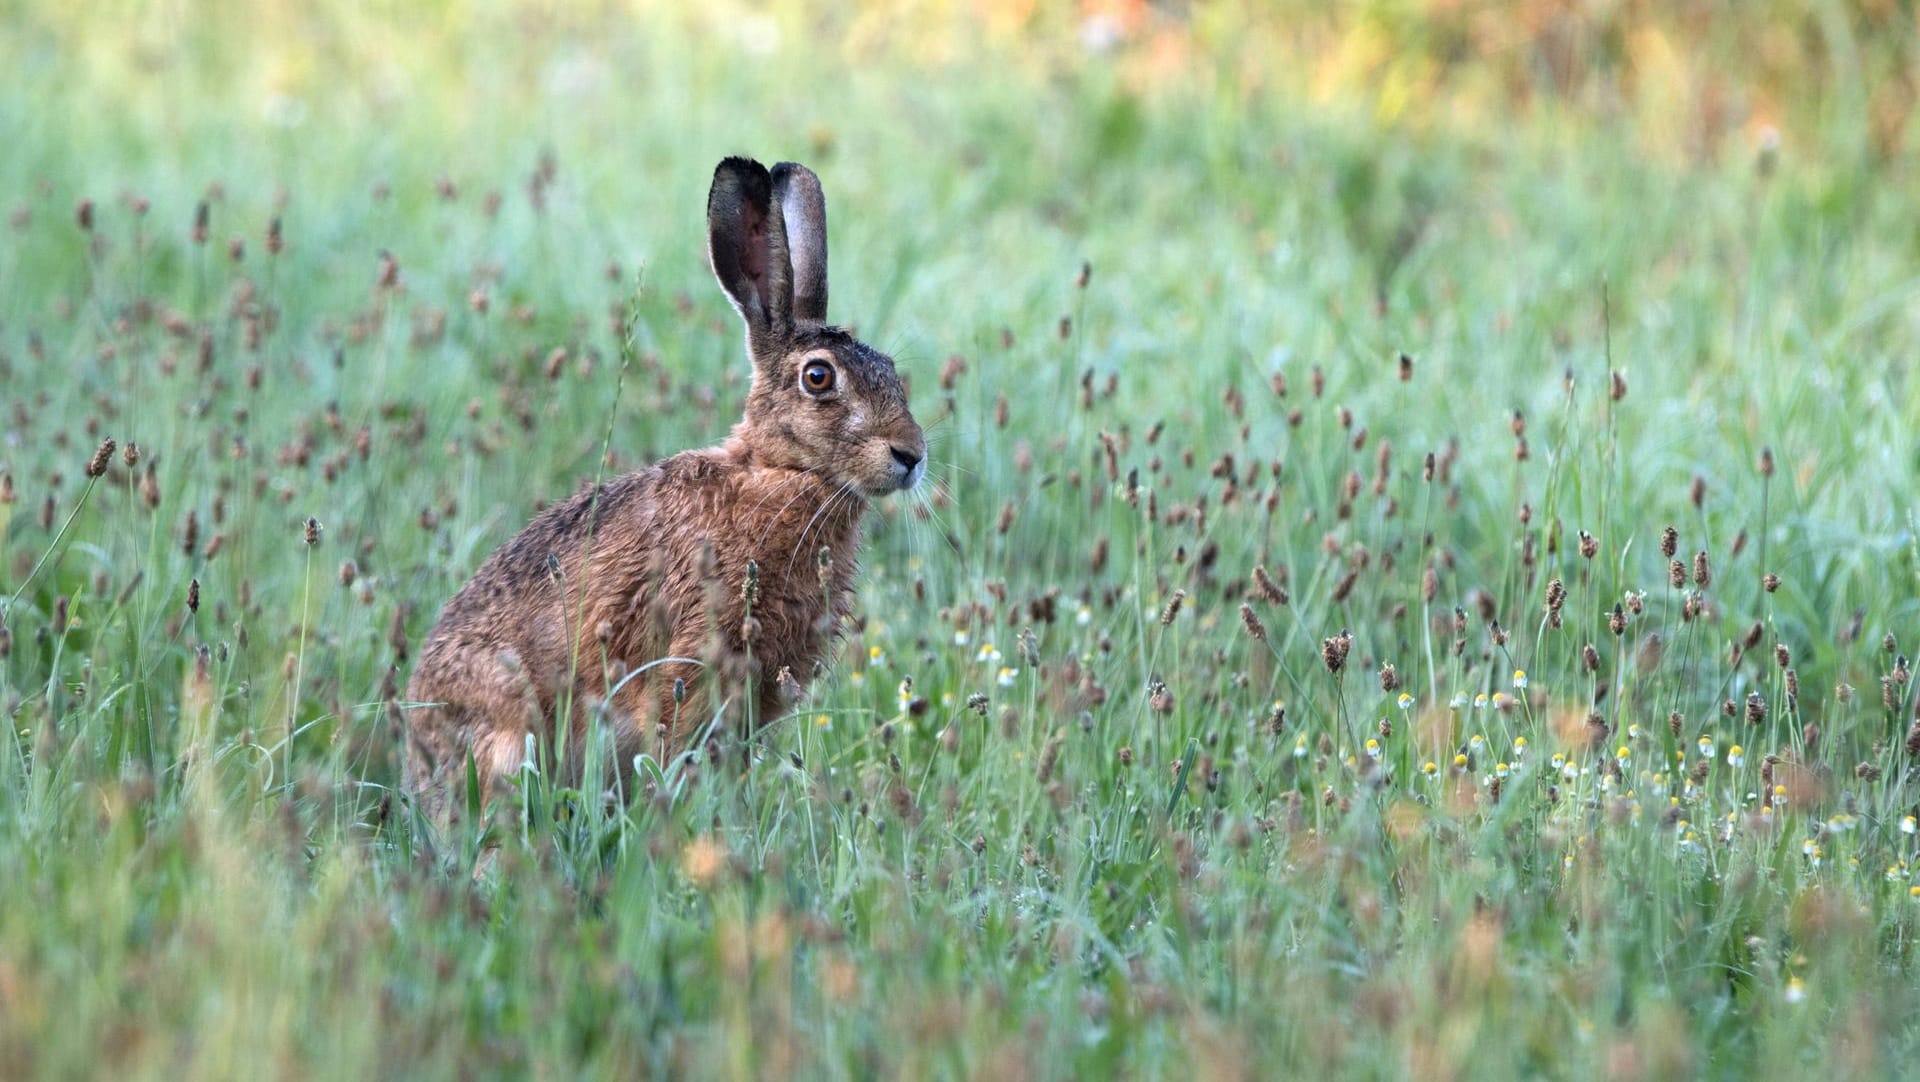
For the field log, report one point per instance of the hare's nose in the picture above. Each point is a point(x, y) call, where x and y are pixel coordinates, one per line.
point(907, 459)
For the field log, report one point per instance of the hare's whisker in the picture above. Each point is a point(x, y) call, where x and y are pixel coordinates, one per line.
point(801, 545)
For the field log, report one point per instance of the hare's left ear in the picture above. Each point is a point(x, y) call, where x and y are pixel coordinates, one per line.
point(803, 210)
point(748, 247)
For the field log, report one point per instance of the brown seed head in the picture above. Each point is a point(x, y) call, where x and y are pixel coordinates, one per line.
point(1160, 698)
point(1250, 620)
point(1344, 588)
point(1266, 588)
point(1619, 385)
point(311, 533)
point(103, 454)
point(193, 595)
point(1669, 542)
point(1756, 708)
point(1766, 462)
point(1333, 651)
point(1702, 574)
point(1389, 680)
point(1172, 610)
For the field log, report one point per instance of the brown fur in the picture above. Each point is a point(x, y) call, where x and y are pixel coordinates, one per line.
point(653, 565)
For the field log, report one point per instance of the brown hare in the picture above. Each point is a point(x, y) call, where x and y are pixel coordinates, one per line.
point(655, 599)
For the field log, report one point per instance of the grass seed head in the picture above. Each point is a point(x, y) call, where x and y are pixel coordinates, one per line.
point(1266, 588)
point(1171, 612)
point(1333, 651)
point(103, 454)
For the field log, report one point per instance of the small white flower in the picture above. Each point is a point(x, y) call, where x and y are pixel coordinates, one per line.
point(1520, 678)
point(1007, 675)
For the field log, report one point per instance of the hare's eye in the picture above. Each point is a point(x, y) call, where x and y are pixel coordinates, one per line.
point(817, 377)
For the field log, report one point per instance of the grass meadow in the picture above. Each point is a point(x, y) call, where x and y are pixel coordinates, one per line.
point(1419, 579)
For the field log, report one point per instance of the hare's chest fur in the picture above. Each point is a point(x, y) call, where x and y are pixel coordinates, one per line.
point(748, 568)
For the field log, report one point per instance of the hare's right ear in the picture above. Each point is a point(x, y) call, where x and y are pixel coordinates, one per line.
point(747, 242)
point(803, 218)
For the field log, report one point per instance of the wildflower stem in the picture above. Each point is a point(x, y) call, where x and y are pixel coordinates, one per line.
point(53, 545)
point(299, 671)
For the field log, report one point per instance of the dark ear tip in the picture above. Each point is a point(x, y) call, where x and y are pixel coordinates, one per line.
point(794, 169)
point(745, 169)
point(740, 178)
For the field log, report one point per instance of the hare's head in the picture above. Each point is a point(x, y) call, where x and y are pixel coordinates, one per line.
point(821, 399)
